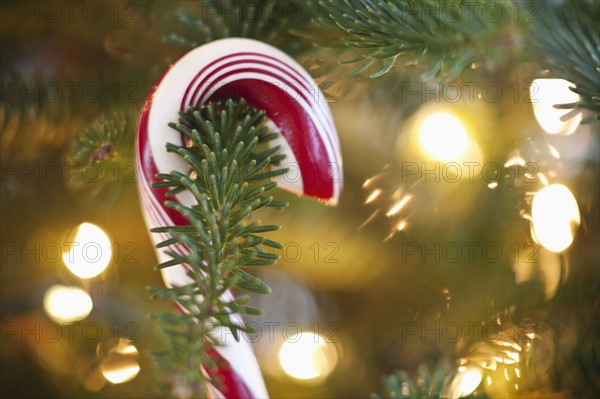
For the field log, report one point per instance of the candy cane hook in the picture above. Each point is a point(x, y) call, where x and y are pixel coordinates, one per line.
point(268, 80)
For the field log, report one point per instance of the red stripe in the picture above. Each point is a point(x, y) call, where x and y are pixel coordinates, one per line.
point(319, 110)
point(243, 61)
point(192, 83)
point(295, 125)
point(286, 71)
point(230, 384)
point(246, 68)
point(148, 166)
point(226, 380)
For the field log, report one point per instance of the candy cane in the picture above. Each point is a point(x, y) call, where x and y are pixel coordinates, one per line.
point(271, 81)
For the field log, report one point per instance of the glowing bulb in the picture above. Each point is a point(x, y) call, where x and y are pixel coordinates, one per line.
point(308, 357)
point(515, 161)
point(120, 364)
point(67, 304)
point(545, 93)
point(443, 137)
point(373, 196)
point(554, 216)
point(398, 205)
point(465, 382)
point(90, 252)
point(123, 373)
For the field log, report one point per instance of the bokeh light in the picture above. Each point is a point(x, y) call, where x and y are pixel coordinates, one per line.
point(67, 304)
point(307, 357)
point(465, 382)
point(545, 94)
point(90, 252)
point(555, 217)
point(120, 364)
point(442, 136)
point(540, 265)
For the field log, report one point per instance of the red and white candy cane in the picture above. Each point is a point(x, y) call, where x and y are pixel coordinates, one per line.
point(269, 80)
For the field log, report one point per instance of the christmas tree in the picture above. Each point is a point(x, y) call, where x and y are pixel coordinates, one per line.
point(460, 259)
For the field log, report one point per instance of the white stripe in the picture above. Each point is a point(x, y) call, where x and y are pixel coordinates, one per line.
point(304, 83)
point(268, 79)
point(167, 100)
point(322, 106)
point(320, 113)
point(309, 85)
point(308, 82)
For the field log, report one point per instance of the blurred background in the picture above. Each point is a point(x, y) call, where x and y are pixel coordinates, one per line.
point(462, 257)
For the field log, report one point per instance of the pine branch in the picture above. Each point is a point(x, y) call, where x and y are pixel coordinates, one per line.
point(228, 163)
point(426, 385)
point(567, 40)
point(101, 153)
point(177, 27)
point(443, 38)
point(28, 100)
point(61, 109)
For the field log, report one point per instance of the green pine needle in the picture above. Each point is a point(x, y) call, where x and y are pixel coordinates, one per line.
point(442, 38)
point(426, 385)
point(101, 154)
point(228, 177)
point(191, 24)
point(567, 41)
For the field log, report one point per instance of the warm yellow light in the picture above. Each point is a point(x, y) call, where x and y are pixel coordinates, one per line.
point(443, 137)
point(402, 225)
point(67, 304)
point(120, 364)
point(373, 196)
point(545, 93)
point(555, 217)
point(127, 372)
point(465, 382)
point(90, 252)
point(308, 357)
point(515, 161)
point(398, 205)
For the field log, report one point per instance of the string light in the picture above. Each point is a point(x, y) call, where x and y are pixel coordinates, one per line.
point(555, 216)
point(90, 252)
point(120, 364)
point(398, 205)
point(443, 137)
point(67, 304)
point(545, 94)
point(465, 382)
point(307, 357)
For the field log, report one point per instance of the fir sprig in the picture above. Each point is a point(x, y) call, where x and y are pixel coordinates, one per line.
point(567, 41)
point(426, 385)
point(100, 140)
point(101, 154)
point(231, 165)
point(443, 38)
point(191, 24)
